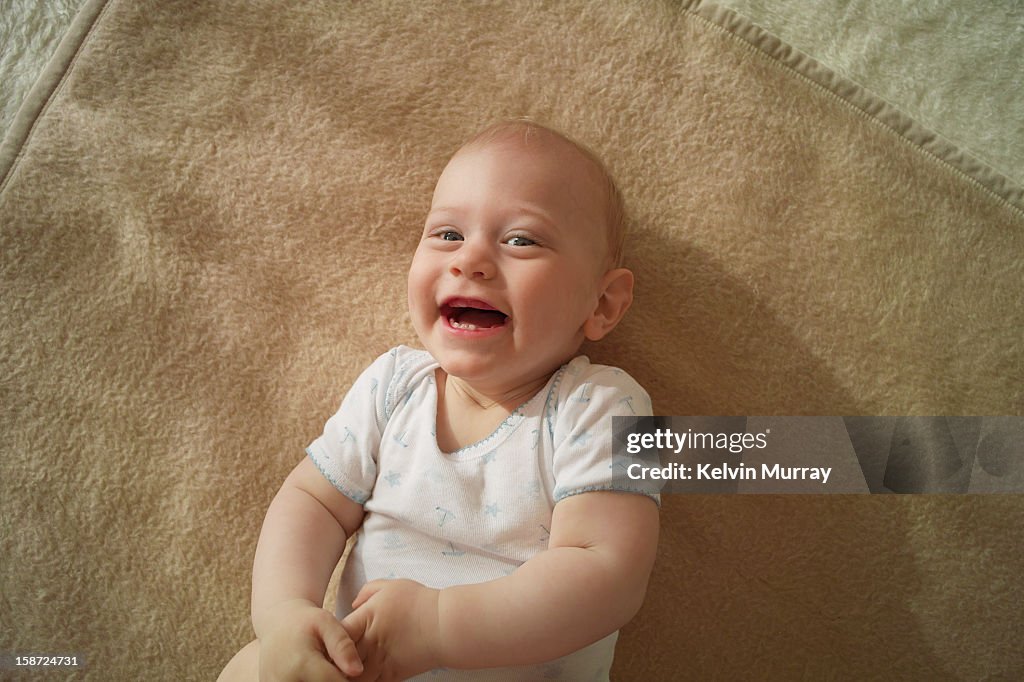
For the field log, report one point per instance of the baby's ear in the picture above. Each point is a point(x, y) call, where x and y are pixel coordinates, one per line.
point(616, 295)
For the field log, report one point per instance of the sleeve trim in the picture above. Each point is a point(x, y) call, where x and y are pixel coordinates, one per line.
point(561, 494)
point(348, 491)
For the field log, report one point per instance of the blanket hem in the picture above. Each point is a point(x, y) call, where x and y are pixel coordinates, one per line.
point(930, 143)
point(46, 87)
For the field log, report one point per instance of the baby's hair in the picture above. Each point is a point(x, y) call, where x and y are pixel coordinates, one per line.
point(615, 210)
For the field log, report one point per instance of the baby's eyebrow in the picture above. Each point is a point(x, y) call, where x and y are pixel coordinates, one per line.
point(537, 213)
point(442, 212)
point(453, 214)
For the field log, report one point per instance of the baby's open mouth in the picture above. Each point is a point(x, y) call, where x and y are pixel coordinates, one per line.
point(472, 314)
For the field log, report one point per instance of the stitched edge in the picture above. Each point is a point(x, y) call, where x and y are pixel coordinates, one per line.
point(561, 494)
point(46, 88)
point(347, 491)
point(865, 103)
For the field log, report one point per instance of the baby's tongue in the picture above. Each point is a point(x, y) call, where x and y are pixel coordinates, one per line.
point(479, 318)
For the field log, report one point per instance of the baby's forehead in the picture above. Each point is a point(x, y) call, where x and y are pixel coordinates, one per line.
point(544, 145)
point(556, 159)
point(595, 189)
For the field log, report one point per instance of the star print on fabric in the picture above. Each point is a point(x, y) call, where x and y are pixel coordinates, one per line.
point(490, 456)
point(581, 438)
point(628, 402)
point(531, 490)
point(393, 541)
point(394, 478)
point(492, 510)
point(552, 671)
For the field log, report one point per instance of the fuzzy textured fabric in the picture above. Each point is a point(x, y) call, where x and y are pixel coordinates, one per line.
point(955, 66)
point(29, 34)
point(206, 215)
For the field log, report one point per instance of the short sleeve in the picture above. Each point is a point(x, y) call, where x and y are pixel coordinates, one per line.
point(588, 398)
point(346, 452)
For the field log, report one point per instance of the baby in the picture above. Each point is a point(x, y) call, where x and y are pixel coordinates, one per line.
point(494, 542)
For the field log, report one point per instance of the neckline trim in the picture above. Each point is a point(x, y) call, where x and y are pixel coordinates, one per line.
point(507, 425)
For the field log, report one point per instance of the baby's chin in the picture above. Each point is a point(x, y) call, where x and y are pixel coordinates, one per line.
point(488, 378)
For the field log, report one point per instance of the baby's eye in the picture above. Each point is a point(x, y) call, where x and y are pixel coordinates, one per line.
point(520, 241)
point(449, 235)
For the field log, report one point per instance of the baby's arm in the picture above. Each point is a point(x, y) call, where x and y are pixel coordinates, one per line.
point(589, 583)
point(302, 540)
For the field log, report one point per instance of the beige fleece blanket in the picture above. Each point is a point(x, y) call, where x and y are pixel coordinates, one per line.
point(206, 214)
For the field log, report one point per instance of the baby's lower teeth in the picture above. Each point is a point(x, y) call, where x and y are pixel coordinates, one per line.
point(463, 325)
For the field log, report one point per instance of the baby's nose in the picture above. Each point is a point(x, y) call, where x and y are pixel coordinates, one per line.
point(473, 261)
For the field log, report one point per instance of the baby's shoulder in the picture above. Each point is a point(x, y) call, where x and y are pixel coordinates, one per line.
point(584, 385)
point(580, 370)
point(409, 359)
point(396, 373)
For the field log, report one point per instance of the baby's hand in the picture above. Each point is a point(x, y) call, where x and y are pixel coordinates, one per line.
point(395, 627)
point(306, 643)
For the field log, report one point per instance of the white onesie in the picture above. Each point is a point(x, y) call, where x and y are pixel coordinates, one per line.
point(476, 514)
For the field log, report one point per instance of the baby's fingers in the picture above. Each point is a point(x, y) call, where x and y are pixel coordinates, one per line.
point(355, 624)
point(368, 590)
point(322, 670)
point(341, 649)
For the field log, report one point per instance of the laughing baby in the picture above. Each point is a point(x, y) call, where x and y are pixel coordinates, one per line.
point(493, 541)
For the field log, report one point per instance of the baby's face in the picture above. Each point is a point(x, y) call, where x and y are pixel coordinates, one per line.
point(509, 266)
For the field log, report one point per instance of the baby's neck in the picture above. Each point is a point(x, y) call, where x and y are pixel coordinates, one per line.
point(475, 399)
point(466, 415)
